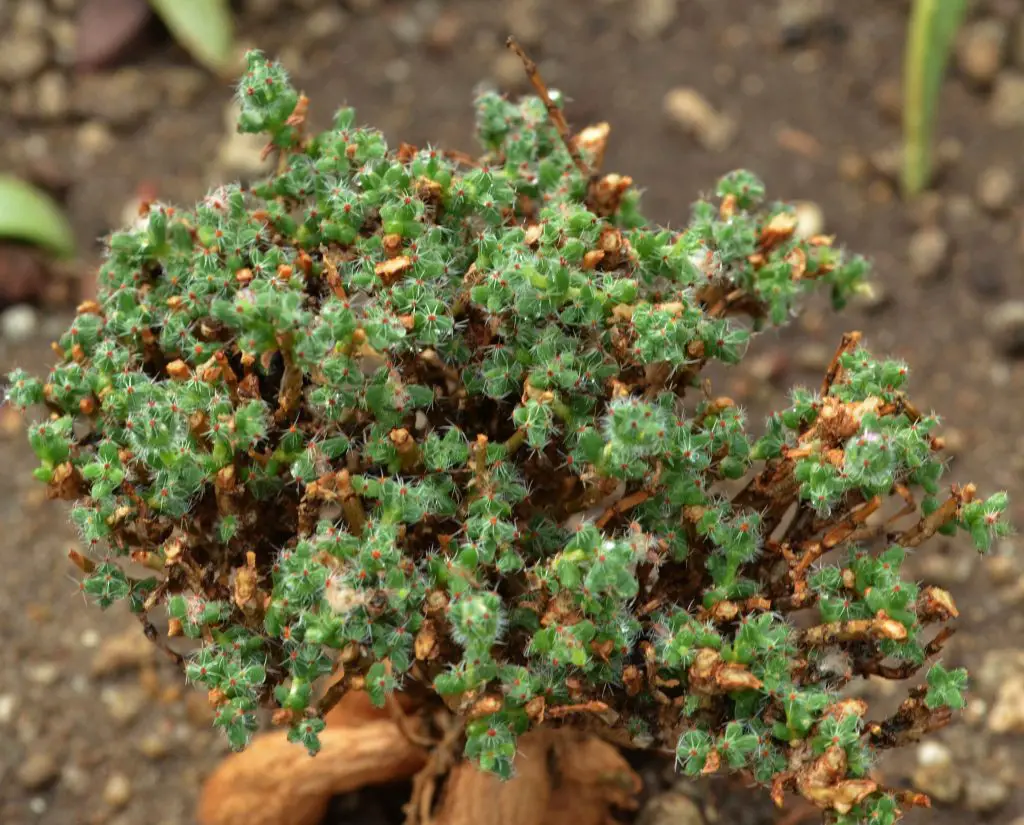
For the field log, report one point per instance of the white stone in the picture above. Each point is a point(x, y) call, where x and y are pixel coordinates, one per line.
point(19, 322)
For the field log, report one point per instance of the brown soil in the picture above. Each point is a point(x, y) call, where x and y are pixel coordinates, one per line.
point(92, 738)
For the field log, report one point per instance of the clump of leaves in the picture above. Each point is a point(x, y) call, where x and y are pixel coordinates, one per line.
point(404, 420)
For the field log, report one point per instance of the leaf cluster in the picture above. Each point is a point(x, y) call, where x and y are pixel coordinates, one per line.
point(400, 419)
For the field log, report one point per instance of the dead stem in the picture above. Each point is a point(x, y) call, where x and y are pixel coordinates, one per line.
point(931, 524)
point(557, 118)
point(848, 343)
point(621, 506)
point(153, 636)
point(443, 756)
point(405, 726)
point(561, 711)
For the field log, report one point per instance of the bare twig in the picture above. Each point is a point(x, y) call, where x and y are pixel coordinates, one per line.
point(848, 343)
point(424, 784)
point(931, 524)
point(406, 727)
point(560, 711)
point(557, 118)
point(621, 506)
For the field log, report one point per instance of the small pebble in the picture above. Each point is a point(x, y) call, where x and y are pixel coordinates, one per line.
point(652, 17)
point(45, 673)
point(996, 189)
point(888, 97)
point(22, 56)
point(961, 209)
point(8, 703)
point(928, 253)
point(407, 29)
point(123, 703)
point(955, 440)
point(127, 651)
point(799, 20)
point(51, 95)
point(985, 793)
point(397, 71)
point(981, 49)
point(691, 111)
point(1007, 714)
point(118, 791)
point(444, 34)
point(852, 166)
point(1006, 106)
point(324, 23)
point(154, 746)
point(38, 771)
point(933, 754)
point(1002, 570)
point(670, 808)
point(30, 15)
point(240, 155)
point(1006, 326)
point(37, 805)
point(76, 780)
point(976, 711)
point(875, 298)
point(935, 774)
point(19, 322)
point(93, 138)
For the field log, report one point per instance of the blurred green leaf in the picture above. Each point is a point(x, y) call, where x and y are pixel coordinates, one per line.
point(204, 27)
point(28, 214)
point(933, 27)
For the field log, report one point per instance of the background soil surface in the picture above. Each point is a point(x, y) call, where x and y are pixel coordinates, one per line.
point(97, 729)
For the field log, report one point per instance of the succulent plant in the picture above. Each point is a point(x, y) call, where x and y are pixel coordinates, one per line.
point(406, 420)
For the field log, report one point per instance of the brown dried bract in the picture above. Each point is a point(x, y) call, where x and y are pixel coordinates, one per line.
point(179, 370)
point(606, 194)
point(426, 646)
point(778, 230)
point(66, 483)
point(392, 245)
point(391, 270)
point(822, 783)
point(709, 675)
